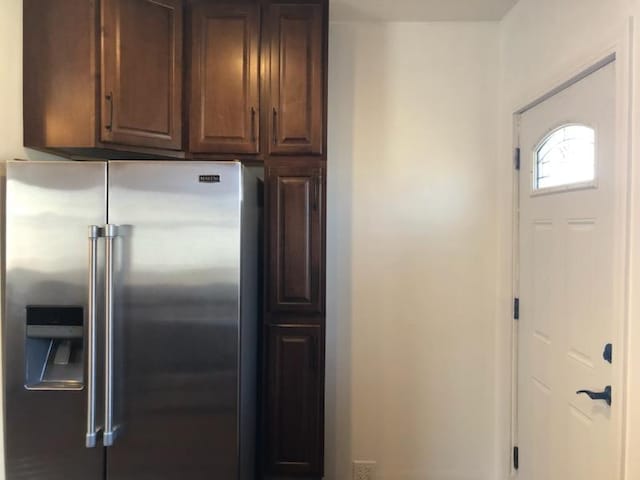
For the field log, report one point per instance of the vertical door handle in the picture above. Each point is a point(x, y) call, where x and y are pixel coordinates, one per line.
point(110, 430)
point(109, 99)
point(275, 126)
point(95, 233)
point(253, 124)
point(317, 187)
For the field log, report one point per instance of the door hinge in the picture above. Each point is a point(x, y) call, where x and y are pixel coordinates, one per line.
point(516, 459)
point(516, 309)
point(516, 158)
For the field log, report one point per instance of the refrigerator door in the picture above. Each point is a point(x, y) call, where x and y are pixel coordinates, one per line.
point(176, 320)
point(49, 207)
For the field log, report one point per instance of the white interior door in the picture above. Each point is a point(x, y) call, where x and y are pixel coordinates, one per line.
point(572, 255)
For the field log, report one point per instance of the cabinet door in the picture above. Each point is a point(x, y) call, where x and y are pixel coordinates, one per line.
point(224, 79)
point(296, 83)
point(142, 73)
point(295, 401)
point(295, 239)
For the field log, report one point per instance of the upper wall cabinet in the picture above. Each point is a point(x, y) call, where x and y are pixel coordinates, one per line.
point(102, 76)
point(296, 80)
point(142, 73)
point(224, 97)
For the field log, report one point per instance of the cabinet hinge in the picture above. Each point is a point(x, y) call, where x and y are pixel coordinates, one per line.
point(516, 309)
point(516, 459)
point(516, 158)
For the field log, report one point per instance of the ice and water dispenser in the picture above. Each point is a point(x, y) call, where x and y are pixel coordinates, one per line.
point(54, 348)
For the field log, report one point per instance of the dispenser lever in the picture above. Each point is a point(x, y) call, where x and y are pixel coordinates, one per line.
point(63, 352)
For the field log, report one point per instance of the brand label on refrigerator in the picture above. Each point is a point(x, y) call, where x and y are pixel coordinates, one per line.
point(209, 178)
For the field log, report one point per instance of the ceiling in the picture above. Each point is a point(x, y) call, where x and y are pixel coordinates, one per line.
point(419, 10)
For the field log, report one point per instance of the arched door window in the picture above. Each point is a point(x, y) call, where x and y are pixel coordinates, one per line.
point(567, 156)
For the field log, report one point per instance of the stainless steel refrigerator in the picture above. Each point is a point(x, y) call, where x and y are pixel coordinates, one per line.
point(130, 320)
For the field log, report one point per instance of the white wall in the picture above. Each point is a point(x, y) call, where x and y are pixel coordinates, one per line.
point(411, 249)
point(541, 41)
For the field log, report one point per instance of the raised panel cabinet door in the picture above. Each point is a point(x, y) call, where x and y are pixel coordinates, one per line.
point(224, 106)
point(141, 95)
point(295, 401)
point(295, 203)
point(59, 73)
point(296, 79)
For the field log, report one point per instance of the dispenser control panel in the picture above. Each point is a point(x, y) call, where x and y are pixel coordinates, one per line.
point(54, 322)
point(54, 347)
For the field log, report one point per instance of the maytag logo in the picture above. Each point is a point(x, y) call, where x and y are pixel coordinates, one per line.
point(209, 178)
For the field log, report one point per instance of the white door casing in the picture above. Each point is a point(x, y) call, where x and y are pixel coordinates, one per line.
point(572, 287)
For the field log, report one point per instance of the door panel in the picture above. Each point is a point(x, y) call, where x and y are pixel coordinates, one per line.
point(572, 259)
point(142, 73)
point(59, 80)
point(296, 84)
point(224, 79)
point(296, 239)
point(177, 320)
point(294, 437)
point(49, 208)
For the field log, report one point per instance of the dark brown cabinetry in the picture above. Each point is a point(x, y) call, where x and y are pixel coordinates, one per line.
point(224, 96)
point(60, 72)
point(294, 318)
point(296, 238)
point(295, 400)
point(294, 139)
point(107, 75)
point(225, 105)
point(296, 80)
point(102, 75)
point(141, 101)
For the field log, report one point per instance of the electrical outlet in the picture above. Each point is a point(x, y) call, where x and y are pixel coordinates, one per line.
point(364, 470)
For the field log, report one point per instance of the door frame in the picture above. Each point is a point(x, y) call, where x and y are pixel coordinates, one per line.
point(620, 51)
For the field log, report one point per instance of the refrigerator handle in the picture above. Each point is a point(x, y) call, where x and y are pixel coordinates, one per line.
point(95, 232)
point(110, 430)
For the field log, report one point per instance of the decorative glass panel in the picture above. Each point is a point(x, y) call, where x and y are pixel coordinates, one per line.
point(566, 157)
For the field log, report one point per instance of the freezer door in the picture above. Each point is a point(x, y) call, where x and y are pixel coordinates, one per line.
point(49, 206)
point(176, 320)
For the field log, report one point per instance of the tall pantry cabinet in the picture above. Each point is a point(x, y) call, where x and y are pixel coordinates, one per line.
point(295, 46)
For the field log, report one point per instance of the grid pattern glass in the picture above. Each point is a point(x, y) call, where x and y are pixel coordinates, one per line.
point(566, 157)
